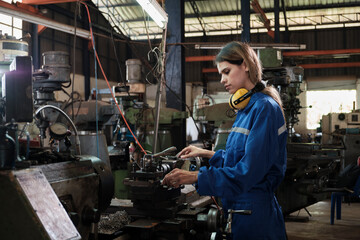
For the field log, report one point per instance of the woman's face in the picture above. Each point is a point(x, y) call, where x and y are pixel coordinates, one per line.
point(234, 76)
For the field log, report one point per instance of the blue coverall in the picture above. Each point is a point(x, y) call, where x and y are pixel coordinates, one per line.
point(246, 174)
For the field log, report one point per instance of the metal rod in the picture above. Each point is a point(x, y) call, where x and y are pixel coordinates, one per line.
point(159, 92)
point(321, 52)
point(42, 2)
point(331, 65)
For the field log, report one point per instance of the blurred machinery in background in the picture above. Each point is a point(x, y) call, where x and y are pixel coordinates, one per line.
point(10, 47)
point(83, 146)
point(311, 168)
point(342, 130)
point(140, 119)
point(50, 192)
point(155, 211)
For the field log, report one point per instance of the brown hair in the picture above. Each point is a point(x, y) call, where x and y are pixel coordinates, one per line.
point(237, 52)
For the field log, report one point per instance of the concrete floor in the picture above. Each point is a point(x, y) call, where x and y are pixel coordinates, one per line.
point(318, 227)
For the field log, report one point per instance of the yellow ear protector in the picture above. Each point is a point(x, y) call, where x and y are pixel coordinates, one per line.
point(240, 99)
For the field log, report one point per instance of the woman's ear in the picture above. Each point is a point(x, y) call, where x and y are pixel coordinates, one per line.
point(245, 66)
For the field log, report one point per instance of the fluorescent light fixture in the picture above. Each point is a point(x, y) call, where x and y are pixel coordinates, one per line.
point(352, 24)
point(287, 46)
point(329, 26)
point(145, 37)
point(155, 11)
point(194, 34)
point(258, 30)
point(299, 28)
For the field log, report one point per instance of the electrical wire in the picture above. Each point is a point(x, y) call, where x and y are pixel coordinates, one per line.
point(117, 59)
point(126, 39)
point(108, 84)
point(119, 67)
point(156, 67)
point(77, 7)
point(147, 31)
point(66, 86)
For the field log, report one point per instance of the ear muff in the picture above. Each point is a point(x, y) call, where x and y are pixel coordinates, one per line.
point(240, 99)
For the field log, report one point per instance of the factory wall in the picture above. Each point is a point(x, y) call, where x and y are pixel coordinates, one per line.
point(358, 93)
point(322, 39)
point(51, 40)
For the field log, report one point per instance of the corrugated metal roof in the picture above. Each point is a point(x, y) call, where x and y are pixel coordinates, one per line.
point(224, 16)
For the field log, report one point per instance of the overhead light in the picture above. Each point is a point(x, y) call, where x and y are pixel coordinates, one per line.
point(324, 26)
point(352, 24)
point(284, 46)
point(155, 11)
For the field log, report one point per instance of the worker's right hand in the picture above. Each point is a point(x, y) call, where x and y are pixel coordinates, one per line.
point(192, 151)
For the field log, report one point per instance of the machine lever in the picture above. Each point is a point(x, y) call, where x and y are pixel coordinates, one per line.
point(166, 151)
point(229, 219)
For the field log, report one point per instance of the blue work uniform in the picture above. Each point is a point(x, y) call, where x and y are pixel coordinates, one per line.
point(246, 174)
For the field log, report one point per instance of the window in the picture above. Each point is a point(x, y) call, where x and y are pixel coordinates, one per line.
point(10, 25)
point(324, 102)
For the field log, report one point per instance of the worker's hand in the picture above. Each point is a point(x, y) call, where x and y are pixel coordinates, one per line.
point(178, 177)
point(192, 151)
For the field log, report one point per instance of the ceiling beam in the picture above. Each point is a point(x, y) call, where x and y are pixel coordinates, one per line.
point(330, 65)
point(288, 54)
point(45, 2)
point(321, 52)
point(198, 15)
point(28, 16)
point(271, 10)
point(199, 58)
point(133, 4)
point(305, 66)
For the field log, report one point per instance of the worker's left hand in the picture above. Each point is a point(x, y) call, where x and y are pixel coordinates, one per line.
point(178, 177)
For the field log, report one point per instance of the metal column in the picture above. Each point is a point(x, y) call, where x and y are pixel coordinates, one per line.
point(35, 46)
point(86, 68)
point(175, 77)
point(277, 23)
point(86, 59)
point(245, 20)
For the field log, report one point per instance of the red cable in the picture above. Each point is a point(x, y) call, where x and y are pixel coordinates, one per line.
point(107, 82)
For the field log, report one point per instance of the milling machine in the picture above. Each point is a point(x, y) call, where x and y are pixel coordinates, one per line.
point(47, 193)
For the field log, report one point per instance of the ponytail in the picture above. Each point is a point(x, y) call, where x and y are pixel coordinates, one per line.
point(272, 92)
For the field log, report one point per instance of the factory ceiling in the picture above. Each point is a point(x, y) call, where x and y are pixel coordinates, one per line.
point(223, 17)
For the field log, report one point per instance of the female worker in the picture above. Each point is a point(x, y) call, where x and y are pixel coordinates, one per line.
point(245, 174)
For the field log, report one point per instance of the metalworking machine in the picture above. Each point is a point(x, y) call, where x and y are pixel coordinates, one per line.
point(161, 212)
point(47, 192)
point(154, 211)
point(59, 184)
